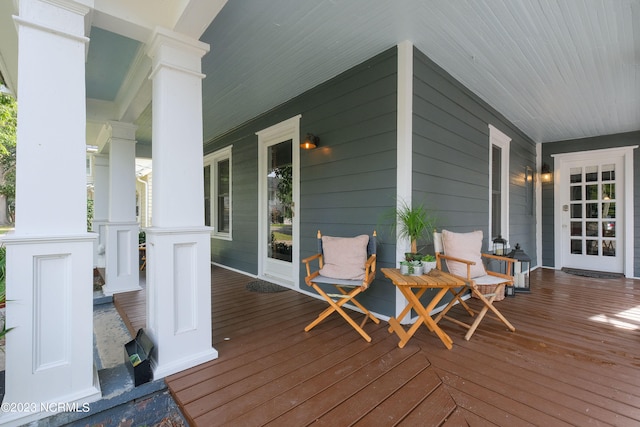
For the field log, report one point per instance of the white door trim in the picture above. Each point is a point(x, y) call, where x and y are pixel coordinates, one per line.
point(559, 161)
point(286, 130)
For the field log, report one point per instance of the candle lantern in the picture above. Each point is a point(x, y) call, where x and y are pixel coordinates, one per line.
point(521, 269)
point(499, 246)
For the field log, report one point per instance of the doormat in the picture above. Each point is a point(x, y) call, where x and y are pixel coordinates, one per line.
point(594, 274)
point(264, 286)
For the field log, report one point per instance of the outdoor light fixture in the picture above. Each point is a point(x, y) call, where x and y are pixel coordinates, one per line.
point(310, 142)
point(545, 173)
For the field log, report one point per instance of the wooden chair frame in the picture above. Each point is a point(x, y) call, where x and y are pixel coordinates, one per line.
point(487, 298)
point(142, 249)
point(348, 290)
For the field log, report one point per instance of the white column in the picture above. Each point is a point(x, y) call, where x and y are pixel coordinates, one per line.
point(121, 231)
point(100, 206)
point(404, 159)
point(178, 244)
point(49, 353)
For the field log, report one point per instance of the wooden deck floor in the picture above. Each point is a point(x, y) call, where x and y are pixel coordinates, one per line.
point(573, 360)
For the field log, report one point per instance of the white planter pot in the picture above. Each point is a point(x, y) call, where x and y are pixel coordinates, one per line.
point(418, 270)
point(428, 266)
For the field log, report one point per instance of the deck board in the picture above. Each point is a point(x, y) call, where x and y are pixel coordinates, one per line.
point(573, 360)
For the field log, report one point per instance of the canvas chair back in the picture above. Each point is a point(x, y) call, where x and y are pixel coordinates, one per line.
point(371, 246)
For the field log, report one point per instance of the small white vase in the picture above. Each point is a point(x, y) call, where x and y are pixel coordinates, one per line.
point(418, 270)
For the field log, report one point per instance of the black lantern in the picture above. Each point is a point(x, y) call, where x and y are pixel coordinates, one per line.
point(521, 270)
point(509, 291)
point(499, 246)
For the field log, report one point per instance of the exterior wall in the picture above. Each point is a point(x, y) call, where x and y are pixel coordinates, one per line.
point(451, 157)
point(346, 184)
point(585, 144)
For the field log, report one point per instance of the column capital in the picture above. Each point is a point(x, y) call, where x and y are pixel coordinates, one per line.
point(121, 130)
point(100, 160)
point(55, 16)
point(177, 51)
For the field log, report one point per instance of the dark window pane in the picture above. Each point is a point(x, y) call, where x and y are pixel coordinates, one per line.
point(223, 196)
point(591, 192)
point(608, 248)
point(496, 191)
point(592, 247)
point(207, 196)
point(592, 229)
point(576, 247)
point(591, 210)
point(575, 175)
point(576, 228)
point(576, 211)
point(608, 172)
point(576, 192)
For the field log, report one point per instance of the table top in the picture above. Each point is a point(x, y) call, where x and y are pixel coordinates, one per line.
point(433, 279)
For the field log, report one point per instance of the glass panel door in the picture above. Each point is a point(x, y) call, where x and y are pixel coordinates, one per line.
point(594, 209)
point(278, 197)
point(280, 201)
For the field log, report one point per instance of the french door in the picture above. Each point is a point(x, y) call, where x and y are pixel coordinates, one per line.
point(591, 206)
point(278, 182)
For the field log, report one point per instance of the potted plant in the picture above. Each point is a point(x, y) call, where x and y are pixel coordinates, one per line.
point(406, 267)
point(411, 268)
point(414, 223)
point(428, 263)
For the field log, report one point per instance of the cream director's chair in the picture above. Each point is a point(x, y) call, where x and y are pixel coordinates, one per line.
point(461, 252)
point(349, 265)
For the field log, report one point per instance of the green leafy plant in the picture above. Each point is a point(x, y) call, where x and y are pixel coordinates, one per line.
point(3, 295)
point(90, 212)
point(414, 223)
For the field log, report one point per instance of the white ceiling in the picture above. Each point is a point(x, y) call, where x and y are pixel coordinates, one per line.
point(558, 69)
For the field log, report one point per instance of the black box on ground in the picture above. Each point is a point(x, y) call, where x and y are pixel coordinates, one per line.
point(137, 354)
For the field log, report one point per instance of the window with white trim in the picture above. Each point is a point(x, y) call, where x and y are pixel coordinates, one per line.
point(217, 193)
point(498, 184)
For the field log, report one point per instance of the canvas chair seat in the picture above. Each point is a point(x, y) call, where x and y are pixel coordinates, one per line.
point(463, 258)
point(349, 265)
point(342, 282)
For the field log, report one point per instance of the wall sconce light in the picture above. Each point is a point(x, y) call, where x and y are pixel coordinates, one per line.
point(545, 173)
point(310, 142)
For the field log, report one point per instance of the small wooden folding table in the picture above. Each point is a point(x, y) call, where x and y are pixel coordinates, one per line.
point(435, 279)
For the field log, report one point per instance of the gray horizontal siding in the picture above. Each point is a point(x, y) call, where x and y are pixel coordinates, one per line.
point(451, 156)
point(345, 185)
point(349, 181)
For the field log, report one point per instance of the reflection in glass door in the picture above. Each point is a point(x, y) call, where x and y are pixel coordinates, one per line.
point(280, 201)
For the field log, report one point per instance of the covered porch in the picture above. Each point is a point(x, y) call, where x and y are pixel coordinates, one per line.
point(573, 360)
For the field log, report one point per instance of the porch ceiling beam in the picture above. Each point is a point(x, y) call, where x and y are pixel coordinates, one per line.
point(197, 16)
